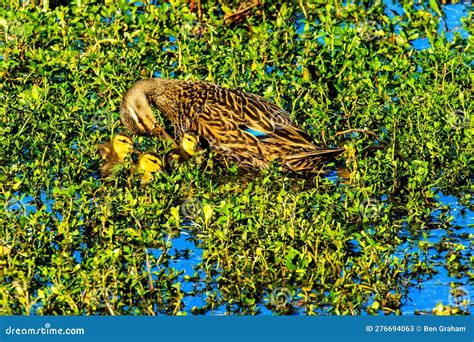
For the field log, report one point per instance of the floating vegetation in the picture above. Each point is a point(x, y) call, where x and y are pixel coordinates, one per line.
point(385, 228)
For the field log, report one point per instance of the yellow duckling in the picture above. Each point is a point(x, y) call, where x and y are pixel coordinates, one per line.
point(189, 147)
point(149, 163)
point(190, 144)
point(114, 152)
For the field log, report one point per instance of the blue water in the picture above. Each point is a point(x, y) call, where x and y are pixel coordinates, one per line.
point(435, 288)
point(424, 292)
point(453, 15)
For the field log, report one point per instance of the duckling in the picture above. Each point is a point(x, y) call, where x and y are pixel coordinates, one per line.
point(149, 163)
point(190, 146)
point(114, 152)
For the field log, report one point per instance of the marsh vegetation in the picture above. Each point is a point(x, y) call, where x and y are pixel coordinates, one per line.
point(390, 82)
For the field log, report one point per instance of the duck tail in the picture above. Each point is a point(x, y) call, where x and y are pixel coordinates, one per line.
point(311, 160)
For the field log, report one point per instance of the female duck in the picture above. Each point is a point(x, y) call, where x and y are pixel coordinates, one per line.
point(236, 125)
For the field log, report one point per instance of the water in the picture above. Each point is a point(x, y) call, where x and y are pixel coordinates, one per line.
point(433, 289)
point(454, 13)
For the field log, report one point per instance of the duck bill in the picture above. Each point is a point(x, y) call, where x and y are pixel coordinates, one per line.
point(158, 131)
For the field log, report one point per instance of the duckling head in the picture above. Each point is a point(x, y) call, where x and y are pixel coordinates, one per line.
point(123, 145)
point(190, 143)
point(149, 163)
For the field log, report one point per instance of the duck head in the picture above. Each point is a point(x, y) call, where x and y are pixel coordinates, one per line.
point(136, 112)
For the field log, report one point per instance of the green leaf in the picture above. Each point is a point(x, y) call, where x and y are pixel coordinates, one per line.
point(435, 7)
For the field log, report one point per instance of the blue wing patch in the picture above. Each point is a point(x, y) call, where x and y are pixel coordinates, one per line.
point(255, 133)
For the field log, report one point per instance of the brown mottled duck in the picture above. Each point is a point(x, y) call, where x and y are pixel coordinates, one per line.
point(241, 126)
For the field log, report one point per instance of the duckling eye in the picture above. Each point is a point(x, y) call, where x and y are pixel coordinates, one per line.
point(153, 160)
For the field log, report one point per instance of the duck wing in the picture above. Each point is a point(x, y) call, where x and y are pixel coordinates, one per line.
point(240, 122)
